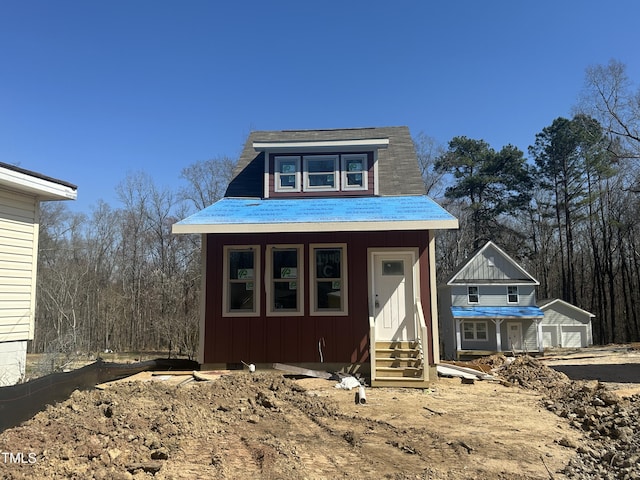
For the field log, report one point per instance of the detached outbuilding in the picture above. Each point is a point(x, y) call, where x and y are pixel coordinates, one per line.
point(21, 192)
point(565, 325)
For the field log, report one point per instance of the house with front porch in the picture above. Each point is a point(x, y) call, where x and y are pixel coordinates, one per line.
point(488, 305)
point(321, 254)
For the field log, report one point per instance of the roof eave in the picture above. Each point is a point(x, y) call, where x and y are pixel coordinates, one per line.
point(41, 188)
point(301, 145)
point(186, 228)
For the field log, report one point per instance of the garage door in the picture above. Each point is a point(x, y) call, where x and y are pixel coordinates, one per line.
point(572, 337)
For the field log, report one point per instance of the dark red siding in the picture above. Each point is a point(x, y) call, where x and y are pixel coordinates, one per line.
point(262, 339)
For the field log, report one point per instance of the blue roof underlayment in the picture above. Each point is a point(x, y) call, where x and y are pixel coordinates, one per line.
point(497, 312)
point(230, 211)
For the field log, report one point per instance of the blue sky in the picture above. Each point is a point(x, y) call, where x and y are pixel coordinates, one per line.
point(91, 91)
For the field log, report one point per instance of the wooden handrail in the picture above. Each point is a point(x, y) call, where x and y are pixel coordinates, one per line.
point(421, 328)
point(372, 346)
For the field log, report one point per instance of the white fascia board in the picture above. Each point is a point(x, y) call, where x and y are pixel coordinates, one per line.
point(38, 187)
point(316, 227)
point(320, 144)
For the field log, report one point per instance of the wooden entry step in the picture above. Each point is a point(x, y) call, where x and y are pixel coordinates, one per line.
point(398, 364)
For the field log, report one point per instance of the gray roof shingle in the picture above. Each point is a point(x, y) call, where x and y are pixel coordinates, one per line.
point(398, 170)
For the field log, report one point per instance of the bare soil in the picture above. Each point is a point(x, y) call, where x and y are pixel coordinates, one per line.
point(267, 426)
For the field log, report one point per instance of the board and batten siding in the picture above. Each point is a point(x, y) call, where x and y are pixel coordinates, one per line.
point(491, 267)
point(18, 262)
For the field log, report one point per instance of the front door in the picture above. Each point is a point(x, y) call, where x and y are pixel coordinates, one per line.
point(393, 296)
point(514, 330)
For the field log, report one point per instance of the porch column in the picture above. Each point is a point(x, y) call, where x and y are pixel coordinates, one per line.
point(539, 334)
point(458, 336)
point(498, 322)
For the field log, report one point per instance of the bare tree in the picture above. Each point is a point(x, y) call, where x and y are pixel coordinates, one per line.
point(610, 97)
point(207, 181)
point(428, 151)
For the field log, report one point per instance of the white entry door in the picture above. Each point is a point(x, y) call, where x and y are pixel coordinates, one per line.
point(393, 296)
point(514, 331)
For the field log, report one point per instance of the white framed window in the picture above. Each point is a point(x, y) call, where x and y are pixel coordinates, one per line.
point(321, 173)
point(476, 331)
point(472, 295)
point(512, 294)
point(241, 286)
point(287, 174)
point(284, 266)
point(328, 279)
point(354, 172)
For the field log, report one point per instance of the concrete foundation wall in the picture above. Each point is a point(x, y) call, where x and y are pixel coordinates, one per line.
point(13, 358)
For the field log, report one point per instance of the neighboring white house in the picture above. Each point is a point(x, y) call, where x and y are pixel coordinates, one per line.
point(21, 192)
point(565, 325)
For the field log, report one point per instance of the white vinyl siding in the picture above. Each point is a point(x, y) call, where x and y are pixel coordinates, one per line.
point(493, 295)
point(18, 259)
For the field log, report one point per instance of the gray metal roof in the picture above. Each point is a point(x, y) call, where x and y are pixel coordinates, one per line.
point(398, 170)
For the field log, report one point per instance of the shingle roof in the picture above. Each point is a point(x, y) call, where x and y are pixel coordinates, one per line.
point(398, 170)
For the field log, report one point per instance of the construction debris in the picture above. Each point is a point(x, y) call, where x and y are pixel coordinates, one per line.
point(303, 371)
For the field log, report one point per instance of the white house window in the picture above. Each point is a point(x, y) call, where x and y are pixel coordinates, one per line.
point(240, 288)
point(512, 294)
point(287, 174)
point(354, 172)
point(284, 267)
point(328, 280)
point(321, 172)
point(472, 295)
point(474, 330)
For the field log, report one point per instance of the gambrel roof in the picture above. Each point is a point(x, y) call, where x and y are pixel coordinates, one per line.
point(490, 265)
point(398, 170)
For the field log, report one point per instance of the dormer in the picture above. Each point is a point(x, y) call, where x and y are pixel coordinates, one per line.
point(314, 168)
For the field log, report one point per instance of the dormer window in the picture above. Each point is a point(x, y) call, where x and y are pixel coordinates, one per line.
point(287, 174)
point(321, 172)
point(354, 172)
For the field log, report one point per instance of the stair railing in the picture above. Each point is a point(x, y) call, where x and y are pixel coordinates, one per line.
point(421, 333)
point(372, 346)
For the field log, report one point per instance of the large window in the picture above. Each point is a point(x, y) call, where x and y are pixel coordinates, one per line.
point(328, 280)
point(472, 295)
point(240, 288)
point(512, 294)
point(354, 172)
point(474, 330)
point(285, 269)
point(287, 174)
point(321, 172)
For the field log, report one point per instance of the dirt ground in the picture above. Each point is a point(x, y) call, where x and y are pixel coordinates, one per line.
point(268, 426)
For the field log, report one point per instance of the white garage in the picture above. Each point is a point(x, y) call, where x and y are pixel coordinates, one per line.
point(565, 325)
